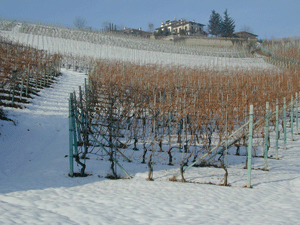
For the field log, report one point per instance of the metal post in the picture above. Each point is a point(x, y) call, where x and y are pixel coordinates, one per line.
point(21, 92)
point(266, 136)
point(76, 118)
point(27, 82)
point(292, 118)
point(81, 109)
point(297, 123)
point(182, 137)
point(70, 138)
point(44, 77)
point(13, 94)
point(85, 141)
point(169, 128)
point(249, 163)
point(277, 129)
point(73, 124)
point(284, 122)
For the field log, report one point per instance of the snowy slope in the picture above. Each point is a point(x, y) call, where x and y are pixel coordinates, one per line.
point(116, 52)
point(35, 187)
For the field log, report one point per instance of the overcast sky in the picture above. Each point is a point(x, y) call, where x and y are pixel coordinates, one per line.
point(266, 18)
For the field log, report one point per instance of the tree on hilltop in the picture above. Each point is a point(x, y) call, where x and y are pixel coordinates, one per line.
point(150, 26)
point(214, 24)
point(80, 23)
point(247, 28)
point(227, 28)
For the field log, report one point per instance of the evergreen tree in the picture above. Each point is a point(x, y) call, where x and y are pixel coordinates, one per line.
point(227, 25)
point(214, 24)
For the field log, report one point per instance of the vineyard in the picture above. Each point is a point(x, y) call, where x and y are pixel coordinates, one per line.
point(175, 116)
point(283, 52)
point(79, 47)
point(23, 72)
point(158, 103)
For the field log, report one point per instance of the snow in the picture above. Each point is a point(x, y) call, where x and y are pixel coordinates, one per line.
point(35, 187)
point(114, 48)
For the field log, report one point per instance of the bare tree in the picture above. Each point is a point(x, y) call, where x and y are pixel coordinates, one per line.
point(246, 28)
point(80, 22)
point(150, 26)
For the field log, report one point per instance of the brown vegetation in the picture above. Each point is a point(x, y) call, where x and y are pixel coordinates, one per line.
point(153, 104)
point(24, 69)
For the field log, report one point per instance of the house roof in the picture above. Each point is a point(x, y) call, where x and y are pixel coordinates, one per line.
point(244, 32)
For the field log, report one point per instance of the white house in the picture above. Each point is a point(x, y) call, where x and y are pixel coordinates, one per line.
point(181, 27)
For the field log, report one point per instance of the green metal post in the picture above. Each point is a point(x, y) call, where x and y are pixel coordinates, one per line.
point(70, 138)
point(13, 94)
point(81, 109)
point(76, 115)
point(266, 136)
point(182, 137)
point(169, 129)
point(277, 129)
point(297, 123)
point(22, 85)
point(27, 82)
point(73, 124)
point(85, 142)
point(292, 118)
point(284, 122)
point(249, 163)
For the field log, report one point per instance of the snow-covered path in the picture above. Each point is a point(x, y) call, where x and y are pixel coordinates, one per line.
point(54, 100)
point(38, 143)
point(35, 187)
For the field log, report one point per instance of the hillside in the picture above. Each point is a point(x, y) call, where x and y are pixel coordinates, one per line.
point(73, 44)
point(34, 156)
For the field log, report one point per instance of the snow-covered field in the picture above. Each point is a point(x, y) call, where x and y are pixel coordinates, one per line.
point(35, 187)
point(122, 52)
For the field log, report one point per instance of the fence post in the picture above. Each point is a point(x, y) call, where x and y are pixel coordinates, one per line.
point(21, 92)
point(74, 124)
point(70, 138)
point(76, 117)
point(266, 136)
point(277, 129)
point(27, 82)
point(297, 123)
point(284, 122)
point(249, 164)
point(86, 118)
point(13, 94)
point(292, 118)
point(169, 128)
point(81, 110)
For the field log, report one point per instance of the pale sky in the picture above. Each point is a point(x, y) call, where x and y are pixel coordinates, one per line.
point(266, 18)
